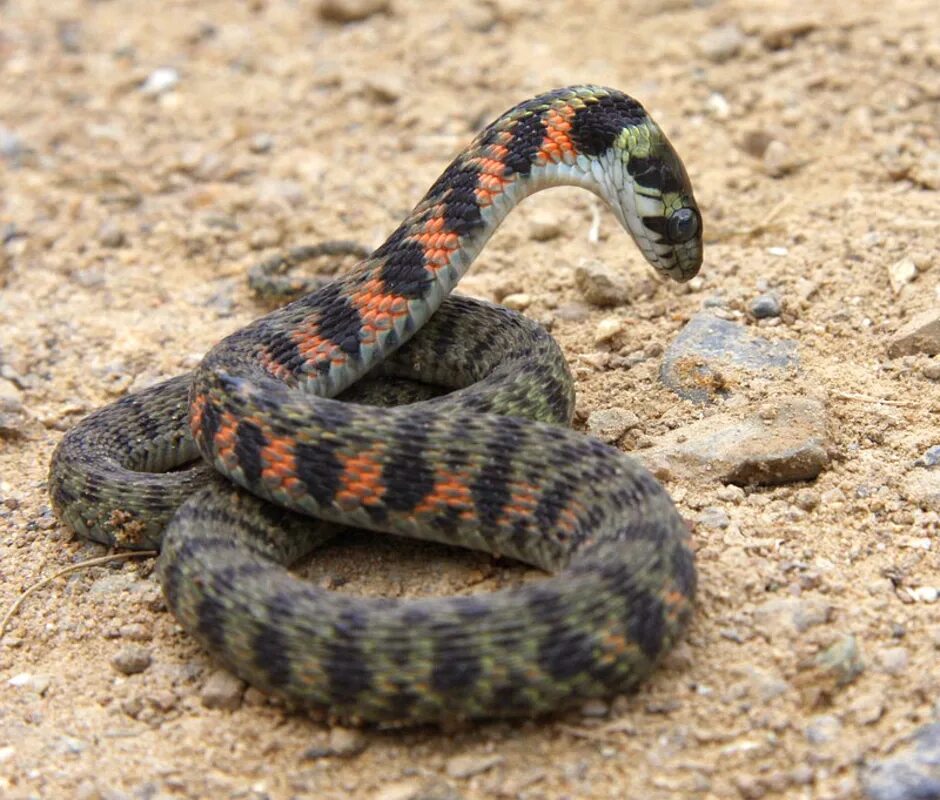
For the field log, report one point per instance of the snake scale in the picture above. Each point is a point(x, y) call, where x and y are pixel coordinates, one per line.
point(480, 455)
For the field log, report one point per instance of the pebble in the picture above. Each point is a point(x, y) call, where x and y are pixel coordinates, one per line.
point(159, 81)
point(609, 424)
point(791, 446)
point(823, 729)
point(714, 517)
point(932, 371)
point(912, 773)
point(806, 499)
point(544, 227)
point(466, 766)
point(222, 690)
point(721, 43)
point(901, 273)
point(517, 302)
point(788, 615)
point(261, 143)
point(594, 708)
point(921, 487)
point(342, 742)
point(607, 329)
point(765, 306)
point(11, 145)
point(110, 235)
point(700, 363)
point(26, 680)
point(131, 659)
point(930, 458)
point(385, 87)
point(842, 661)
point(893, 660)
point(350, 10)
point(920, 335)
point(867, 709)
point(600, 284)
point(433, 789)
point(779, 159)
point(135, 631)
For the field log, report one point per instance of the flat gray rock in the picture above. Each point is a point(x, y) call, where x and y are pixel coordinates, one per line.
point(912, 773)
point(710, 355)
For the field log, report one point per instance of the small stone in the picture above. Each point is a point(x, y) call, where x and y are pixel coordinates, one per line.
point(222, 690)
point(607, 329)
point(717, 105)
point(346, 742)
point(779, 159)
point(466, 766)
point(11, 145)
point(594, 708)
point(930, 458)
point(26, 680)
point(545, 227)
point(517, 302)
point(867, 709)
point(792, 445)
point(572, 312)
point(924, 594)
point(11, 398)
point(912, 773)
point(823, 729)
point(609, 424)
point(755, 142)
point(931, 371)
point(842, 660)
point(136, 632)
point(131, 660)
point(714, 517)
point(779, 35)
point(601, 285)
point(415, 789)
point(893, 660)
point(710, 355)
point(921, 487)
point(920, 335)
point(159, 81)
point(765, 306)
point(385, 87)
point(788, 615)
point(806, 499)
point(901, 273)
point(721, 43)
point(261, 143)
point(351, 10)
point(110, 235)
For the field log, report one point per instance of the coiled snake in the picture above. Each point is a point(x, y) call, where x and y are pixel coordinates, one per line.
point(485, 466)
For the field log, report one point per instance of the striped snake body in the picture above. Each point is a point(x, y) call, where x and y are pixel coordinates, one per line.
point(294, 409)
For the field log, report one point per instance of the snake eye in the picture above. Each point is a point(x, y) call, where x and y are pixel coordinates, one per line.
point(683, 226)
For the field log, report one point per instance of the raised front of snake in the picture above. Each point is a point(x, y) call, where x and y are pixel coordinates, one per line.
point(294, 409)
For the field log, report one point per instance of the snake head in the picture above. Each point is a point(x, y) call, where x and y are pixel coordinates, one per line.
point(605, 141)
point(653, 200)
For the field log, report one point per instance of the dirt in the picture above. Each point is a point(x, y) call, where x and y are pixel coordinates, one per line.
point(147, 160)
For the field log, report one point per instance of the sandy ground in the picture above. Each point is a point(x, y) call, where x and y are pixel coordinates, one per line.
point(135, 198)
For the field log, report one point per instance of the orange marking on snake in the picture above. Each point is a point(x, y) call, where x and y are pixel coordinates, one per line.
point(278, 465)
point(361, 479)
point(557, 145)
point(451, 490)
point(272, 366)
point(196, 409)
point(315, 348)
point(377, 308)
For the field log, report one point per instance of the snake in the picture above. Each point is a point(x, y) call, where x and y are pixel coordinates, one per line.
point(383, 401)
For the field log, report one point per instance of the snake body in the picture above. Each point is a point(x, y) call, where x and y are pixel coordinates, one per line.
point(290, 409)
